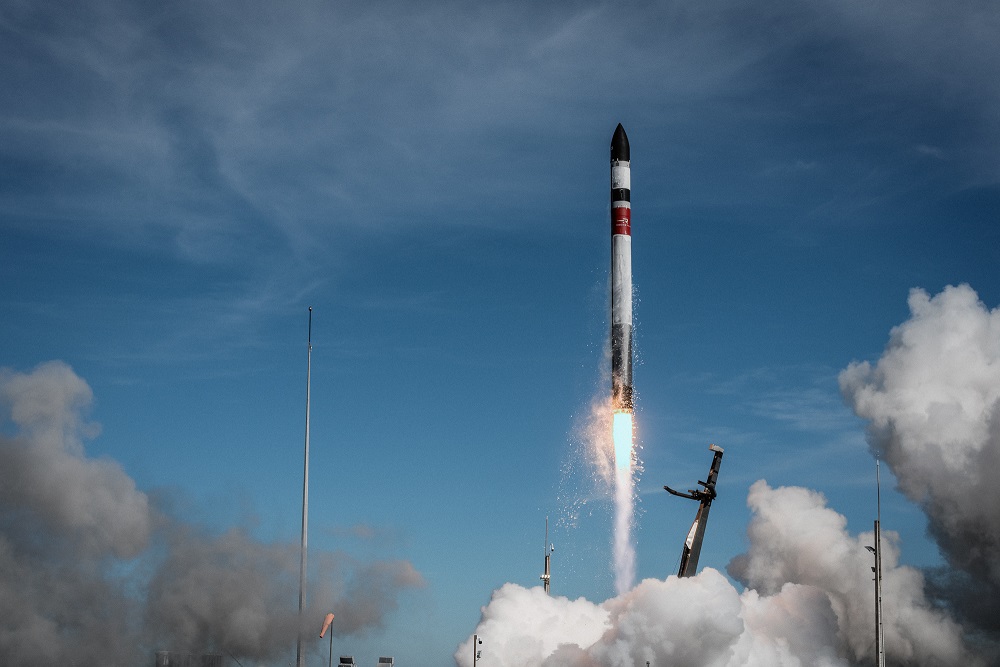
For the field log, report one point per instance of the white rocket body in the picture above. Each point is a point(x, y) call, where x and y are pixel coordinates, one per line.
point(621, 272)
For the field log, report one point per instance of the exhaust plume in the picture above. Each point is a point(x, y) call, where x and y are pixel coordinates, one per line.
point(623, 550)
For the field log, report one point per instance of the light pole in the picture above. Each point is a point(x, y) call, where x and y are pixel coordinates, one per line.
point(877, 570)
point(300, 656)
point(548, 549)
point(476, 643)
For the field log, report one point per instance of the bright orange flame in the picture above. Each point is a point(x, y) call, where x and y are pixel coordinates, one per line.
point(621, 433)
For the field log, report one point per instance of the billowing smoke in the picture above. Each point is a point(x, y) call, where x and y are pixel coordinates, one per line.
point(808, 601)
point(92, 572)
point(795, 538)
point(45, 474)
point(933, 406)
point(232, 591)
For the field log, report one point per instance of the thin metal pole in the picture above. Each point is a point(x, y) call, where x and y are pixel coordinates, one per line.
point(879, 634)
point(300, 658)
point(547, 576)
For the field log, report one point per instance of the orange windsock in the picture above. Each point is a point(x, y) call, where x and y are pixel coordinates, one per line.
point(326, 625)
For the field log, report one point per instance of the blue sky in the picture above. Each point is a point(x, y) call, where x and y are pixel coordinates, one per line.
point(178, 183)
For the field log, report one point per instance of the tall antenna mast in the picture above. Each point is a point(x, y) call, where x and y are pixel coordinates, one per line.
point(300, 658)
point(879, 635)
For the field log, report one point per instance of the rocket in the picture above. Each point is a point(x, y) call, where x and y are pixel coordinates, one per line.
point(621, 273)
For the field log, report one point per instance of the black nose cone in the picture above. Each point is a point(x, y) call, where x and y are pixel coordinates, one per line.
point(619, 144)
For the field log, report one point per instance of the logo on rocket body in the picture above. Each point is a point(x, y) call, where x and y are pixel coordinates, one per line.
point(621, 272)
point(621, 221)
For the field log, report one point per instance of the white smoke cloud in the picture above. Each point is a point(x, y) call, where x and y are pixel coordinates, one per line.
point(796, 538)
point(933, 406)
point(93, 572)
point(809, 601)
point(519, 638)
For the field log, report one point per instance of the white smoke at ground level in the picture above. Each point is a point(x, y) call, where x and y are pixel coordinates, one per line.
point(809, 601)
point(696, 621)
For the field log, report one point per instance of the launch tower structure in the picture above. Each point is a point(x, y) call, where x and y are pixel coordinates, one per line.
point(549, 548)
point(695, 536)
